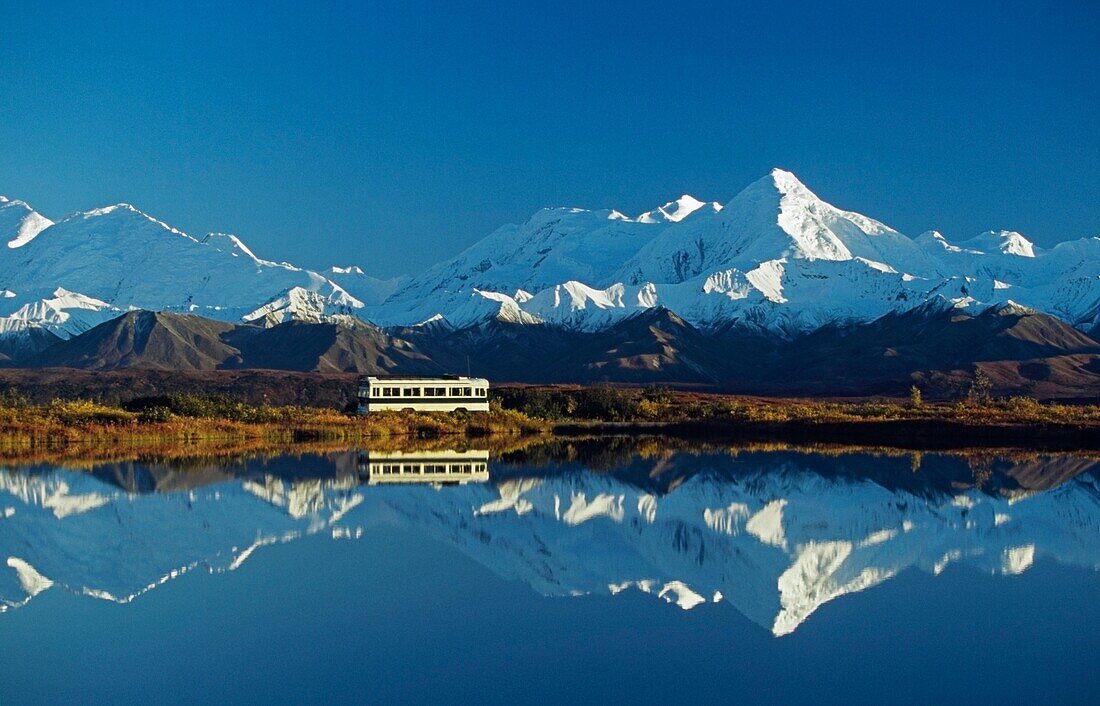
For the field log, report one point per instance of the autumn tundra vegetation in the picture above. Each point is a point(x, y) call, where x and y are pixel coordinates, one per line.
point(517, 410)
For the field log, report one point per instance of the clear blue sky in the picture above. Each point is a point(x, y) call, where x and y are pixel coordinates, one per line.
point(393, 134)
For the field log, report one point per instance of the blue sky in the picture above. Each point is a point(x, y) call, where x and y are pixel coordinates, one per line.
point(391, 135)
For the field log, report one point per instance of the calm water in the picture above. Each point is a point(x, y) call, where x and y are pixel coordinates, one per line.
point(602, 571)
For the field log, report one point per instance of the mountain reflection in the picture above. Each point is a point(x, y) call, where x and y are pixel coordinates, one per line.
point(775, 532)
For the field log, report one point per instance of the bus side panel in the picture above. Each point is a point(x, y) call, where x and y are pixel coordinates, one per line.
point(420, 405)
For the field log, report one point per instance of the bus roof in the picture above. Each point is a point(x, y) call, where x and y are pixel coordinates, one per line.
point(423, 378)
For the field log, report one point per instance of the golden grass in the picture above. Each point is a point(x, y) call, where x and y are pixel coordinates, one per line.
point(64, 423)
point(1018, 410)
point(605, 404)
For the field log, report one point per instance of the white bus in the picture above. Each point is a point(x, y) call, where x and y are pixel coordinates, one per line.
point(445, 467)
point(421, 394)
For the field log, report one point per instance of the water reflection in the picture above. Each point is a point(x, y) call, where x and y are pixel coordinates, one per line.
point(444, 467)
point(775, 532)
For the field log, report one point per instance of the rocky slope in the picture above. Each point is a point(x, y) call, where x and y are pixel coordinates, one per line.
point(178, 342)
point(937, 347)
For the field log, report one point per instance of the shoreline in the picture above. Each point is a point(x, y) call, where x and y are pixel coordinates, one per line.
point(187, 421)
point(902, 434)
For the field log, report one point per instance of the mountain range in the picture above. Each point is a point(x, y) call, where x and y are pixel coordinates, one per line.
point(774, 289)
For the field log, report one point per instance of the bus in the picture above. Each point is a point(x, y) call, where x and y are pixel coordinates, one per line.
point(449, 393)
point(445, 467)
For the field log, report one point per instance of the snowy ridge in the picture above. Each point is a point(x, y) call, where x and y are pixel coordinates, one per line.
point(93, 266)
point(19, 223)
point(778, 544)
point(776, 257)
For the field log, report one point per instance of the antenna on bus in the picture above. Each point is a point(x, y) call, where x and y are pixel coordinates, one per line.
point(468, 365)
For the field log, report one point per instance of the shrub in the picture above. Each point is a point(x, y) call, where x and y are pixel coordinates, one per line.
point(85, 412)
point(1026, 407)
point(648, 409)
point(544, 404)
point(13, 399)
point(606, 403)
point(155, 415)
point(659, 394)
point(980, 387)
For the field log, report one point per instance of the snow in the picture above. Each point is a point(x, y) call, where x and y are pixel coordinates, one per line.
point(675, 592)
point(678, 592)
point(511, 498)
point(109, 260)
point(1005, 242)
point(676, 211)
point(300, 304)
point(775, 257)
point(727, 520)
point(19, 223)
point(56, 497)
point(878, 537)
point(767, 524)
point(647, 508)
point(32, 582)
point(230, 244)
point(1017, 560)
point(603, 505)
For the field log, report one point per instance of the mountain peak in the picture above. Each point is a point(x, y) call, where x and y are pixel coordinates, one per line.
point(1007, 242)
point(19, 223)
point(119, 219)
point(105, 210)
point(1011, 308)
point(786, 181)
point(931, 236)
point(781, 182)
point(676, 211)
point(778, 183)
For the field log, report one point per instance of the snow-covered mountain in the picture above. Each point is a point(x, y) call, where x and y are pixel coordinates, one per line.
point(770, 533)
point(93, 266)
point(776, 257)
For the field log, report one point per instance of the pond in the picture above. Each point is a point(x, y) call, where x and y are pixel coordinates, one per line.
point(588, 570)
